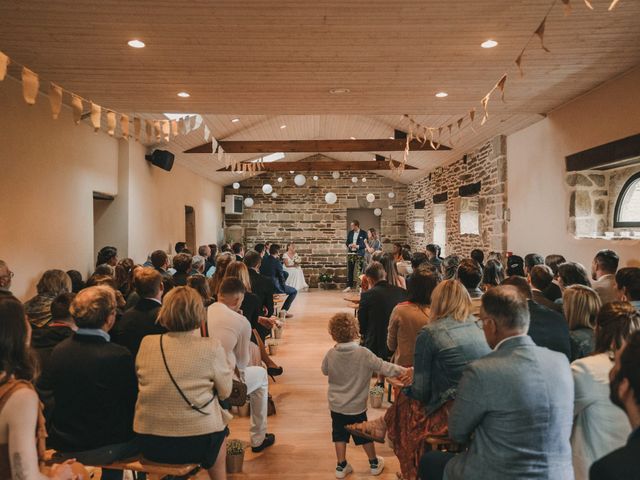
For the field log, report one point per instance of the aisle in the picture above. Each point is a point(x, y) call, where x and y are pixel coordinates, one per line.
point(302, 426)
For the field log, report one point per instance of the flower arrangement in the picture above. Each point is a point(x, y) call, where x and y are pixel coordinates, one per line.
point(376, 391)
point(235, 447)
point(325, 278)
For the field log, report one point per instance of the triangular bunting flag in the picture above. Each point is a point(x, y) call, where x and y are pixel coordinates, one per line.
point(540, 33)
point(55, 99)
point(166, 130)
point(611, 7)
point(76, 106)
point(30, 86)
point(500, 85)
point(207, 133)
point(96, 116)
point(174, 128)
point(137, 124)
point(124, 126)
point(567, 7)
point(111, 122)
point(148, 127)
point(588, 4)
point(519, 63)
point(4, 63)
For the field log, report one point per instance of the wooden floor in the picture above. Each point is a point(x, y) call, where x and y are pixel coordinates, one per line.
point(302, 426)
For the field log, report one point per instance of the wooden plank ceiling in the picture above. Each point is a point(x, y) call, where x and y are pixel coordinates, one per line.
point(274, 63)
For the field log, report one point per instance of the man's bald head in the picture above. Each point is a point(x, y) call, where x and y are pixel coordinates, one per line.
point(507, 307)
point(5, 275)
point(94, 307)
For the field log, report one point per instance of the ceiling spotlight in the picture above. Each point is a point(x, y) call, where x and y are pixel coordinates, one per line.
point(339, 91)
point(352, 138)
point(282, 127)
point(489, 44)
point(136, 43)
point(392, 138)
point(235, 120)
point(183, 95)
point(442, 94)
point(292, 171)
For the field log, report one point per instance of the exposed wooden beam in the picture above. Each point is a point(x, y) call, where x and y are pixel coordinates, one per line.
point(315, 146)
point(610, 155)
point(324, 166)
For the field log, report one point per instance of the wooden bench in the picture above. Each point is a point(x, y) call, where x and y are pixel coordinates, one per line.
point(154, 471)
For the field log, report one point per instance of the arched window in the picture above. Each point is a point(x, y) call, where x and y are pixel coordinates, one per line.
point(627, 212)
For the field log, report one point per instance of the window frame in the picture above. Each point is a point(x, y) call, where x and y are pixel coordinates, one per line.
point(616, 213)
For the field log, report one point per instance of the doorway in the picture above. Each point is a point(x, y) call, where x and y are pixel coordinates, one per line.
point(365, 216)
point(190, 228)
point(104, 223)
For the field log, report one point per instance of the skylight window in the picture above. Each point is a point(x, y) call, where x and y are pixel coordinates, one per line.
point(178, 116)
point(272, 157)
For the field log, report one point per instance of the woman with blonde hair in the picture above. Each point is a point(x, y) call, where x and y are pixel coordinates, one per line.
point(222, 262)
point(51, 284)
point(444, 347)
point(182, 377)
point(581, 306)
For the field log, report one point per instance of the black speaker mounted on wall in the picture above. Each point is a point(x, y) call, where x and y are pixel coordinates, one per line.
point(162, 159)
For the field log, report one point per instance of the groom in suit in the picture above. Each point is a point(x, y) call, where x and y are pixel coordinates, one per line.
point(272, 268)
point(355, 244)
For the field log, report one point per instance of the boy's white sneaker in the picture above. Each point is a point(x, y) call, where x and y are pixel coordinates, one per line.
point(342, 472)
point(377, 470)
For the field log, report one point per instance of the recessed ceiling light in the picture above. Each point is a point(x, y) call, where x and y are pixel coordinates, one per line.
point(136, 43)
point(282, 127)
point(183, 95)
point(235, 120)
point(442, 94)
point(489, 44)
point(339, 91)
point(392, 138)
point(352, 138)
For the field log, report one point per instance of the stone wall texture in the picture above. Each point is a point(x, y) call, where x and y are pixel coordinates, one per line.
point(301, 215)
point(487, 165)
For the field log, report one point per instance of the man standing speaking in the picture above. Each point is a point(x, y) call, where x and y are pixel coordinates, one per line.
point(356, 248)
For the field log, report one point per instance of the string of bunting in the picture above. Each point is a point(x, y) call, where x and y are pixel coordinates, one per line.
point(434, 134)
point(154, 130)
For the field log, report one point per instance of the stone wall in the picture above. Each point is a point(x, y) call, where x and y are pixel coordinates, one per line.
point(487, 165)
point(301, 215)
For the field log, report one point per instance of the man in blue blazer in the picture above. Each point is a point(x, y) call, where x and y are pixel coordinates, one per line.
point(271, 267)
point(514, 407)
point(355, 244)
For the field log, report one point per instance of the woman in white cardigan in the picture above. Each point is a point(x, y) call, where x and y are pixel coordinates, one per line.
point(181, 377)
point(600, 427)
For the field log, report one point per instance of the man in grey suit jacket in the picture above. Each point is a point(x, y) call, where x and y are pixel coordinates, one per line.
point(514, 406)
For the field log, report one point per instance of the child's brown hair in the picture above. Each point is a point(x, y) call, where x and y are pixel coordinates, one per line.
point(344, 328)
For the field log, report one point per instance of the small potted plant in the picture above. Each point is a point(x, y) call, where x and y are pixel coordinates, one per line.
point(325, 281)
point(375, 396)
point(235, 456)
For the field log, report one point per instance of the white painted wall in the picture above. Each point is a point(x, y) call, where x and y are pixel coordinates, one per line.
point(537, 195)
point(48, 173)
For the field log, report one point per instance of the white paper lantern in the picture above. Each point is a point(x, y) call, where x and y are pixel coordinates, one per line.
point(354, 179)
point(300, 180)
point(267, 188)
point(315, 178)
point(291, 172)
point(248, 202)
point(364, 180)
point(335, 175)
point(390, 207)
point(274, 195)
point(279, 179)
point(236, 185)
point(377, 212)
point(331, 198)
point(391, 195)
point(371, 197)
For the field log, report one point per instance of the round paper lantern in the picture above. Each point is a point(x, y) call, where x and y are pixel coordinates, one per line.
point(299, 180)
point(315, 178)
point(274, 195)
point(335, 175)
point(248, 202)
point(331, 198)
point(371, 197)
point(390, 207)
point(291, 172)
point(391, 195)
point(267, 188)
point(364, 180)
point(377, 212)
point(236, 185)
point(354, 179)
point(279, 179)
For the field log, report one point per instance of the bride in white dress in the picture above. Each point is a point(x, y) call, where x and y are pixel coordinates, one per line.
point(291, 264)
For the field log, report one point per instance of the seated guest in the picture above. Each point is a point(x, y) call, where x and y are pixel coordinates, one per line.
point(404, 265)
point(514, 406)
point(628, 285)
point(541, 278)
point(61, 326)
point(182, 266)
point(141, 320)
point(291, 265)
point(443, 348)
point(107, 256)
point(180, 247)
point(407, 318)
point(603, 274)
point(547, 328)
point(477, 255)
point(160, 261)
point(571, 273)
point(417, 259)
point(530, 261)
point(262, 286)
point(22, 432)
point(238, 250)
point(600, 427)
point(376, 305)
point(396, 252)
point(77, 283)
point(515, 266)
point(260, 249)
point(182, 378)
point(372, 244)
point(225, 248)
point(553, 262)
point(492, 275)
point(433, 253)
point(581, 306)
point(197, 265)
point(231, 328)
point(206, 252)
point(470, 275)
point(622, 464)
point(5, 280)
point(94, 387)
point(200, 284)
point(272, 268)
point(496, 256)
point(51, 284)
point(450, 266)
point(391, 270)
point(222, 262)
